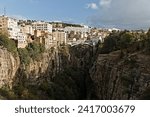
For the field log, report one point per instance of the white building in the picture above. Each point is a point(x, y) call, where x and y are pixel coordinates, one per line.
point(10, 26)
point(83, 31)
point(113, 29)
point(77, 29)
point(42, 26)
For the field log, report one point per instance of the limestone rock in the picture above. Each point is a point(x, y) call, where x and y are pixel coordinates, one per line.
point(120, 78)
point(8, 67)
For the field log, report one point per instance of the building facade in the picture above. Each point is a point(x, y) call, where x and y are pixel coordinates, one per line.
point(21, 40)
point(60, 37)
point(10, 26)
point(27, 29)
point(42, 26)
point(77, 29)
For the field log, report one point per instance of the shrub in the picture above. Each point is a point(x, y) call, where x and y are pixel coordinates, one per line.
point(35, 50)
point(24, 56)
point(6, 93)
point(117, 41)
point(8, 43)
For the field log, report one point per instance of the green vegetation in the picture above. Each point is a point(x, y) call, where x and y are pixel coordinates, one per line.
point(148, 41)
point(8, 43)
point(32, 51)
point(67, 84)
point(60, 24)
point(24, 56)
point(126, 41)
point(6, 93)
point(35, 50)
point(72, 25)
point(118, 41)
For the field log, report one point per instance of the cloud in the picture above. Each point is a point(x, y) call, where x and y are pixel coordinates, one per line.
point(129, 14)
point(92, 6)
point(105, 3)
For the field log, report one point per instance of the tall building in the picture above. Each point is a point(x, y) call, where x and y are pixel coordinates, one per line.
point(42, 26)
point(60, 37)
point(10, 26)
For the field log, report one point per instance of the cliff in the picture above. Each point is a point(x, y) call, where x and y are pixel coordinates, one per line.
point(114, 77)
point(8, 67)
point(38, 70)
point(16, 77)
point(78, 72)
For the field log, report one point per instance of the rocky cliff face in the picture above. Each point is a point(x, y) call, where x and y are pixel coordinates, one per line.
point(77, 73)
point(121, 78)
point(8, 67)
point(11, 70)
point(45, 68)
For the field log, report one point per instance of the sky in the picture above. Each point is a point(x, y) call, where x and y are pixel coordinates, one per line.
point(58, 10)
point(126, 14)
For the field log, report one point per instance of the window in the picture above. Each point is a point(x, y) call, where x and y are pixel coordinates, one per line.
point(9, 28)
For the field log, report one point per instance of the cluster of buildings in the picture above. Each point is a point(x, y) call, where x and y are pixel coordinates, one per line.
point(49, 34)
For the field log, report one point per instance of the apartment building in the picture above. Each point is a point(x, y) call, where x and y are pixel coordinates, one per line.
point(21, 40)
point(48, 42)
point(10, 26)
point(83, 29)
point(44, 38)
point(42, 26)
point(60, 37)
point(27, 29)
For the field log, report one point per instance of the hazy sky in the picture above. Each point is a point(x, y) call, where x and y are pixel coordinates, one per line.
point(132, 14)
point(103, 13)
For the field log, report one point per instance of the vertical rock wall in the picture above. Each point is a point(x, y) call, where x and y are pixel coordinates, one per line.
point(120, 78)
point(8, 67)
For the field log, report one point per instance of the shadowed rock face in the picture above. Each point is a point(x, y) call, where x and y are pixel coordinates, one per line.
point(121, 78)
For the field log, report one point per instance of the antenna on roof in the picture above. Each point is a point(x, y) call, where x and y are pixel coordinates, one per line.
point(4, 11)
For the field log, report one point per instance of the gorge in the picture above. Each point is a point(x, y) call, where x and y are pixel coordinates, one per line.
point(78, 72)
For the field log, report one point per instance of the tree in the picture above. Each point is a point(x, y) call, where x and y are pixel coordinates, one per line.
point(148, 41)
point(24, 56)
point(125, 40)
point(110, 43)
point(8, 43)
point(35, 50)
